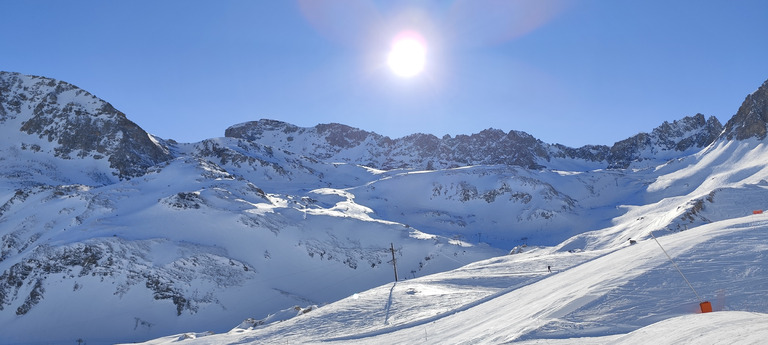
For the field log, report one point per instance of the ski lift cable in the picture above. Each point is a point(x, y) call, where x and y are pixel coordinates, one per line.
point(678, 268)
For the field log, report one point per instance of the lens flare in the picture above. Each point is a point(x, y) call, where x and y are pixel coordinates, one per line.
point(407, 55)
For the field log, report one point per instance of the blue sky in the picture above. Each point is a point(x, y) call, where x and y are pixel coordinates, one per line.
point(571, 72)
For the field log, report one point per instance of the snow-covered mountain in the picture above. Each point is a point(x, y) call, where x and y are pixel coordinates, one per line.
point(111, 234)
point(613, 285)
point(44, 119)
point(341, 143)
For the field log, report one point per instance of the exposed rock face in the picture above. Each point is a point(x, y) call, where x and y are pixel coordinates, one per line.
point(420, 151)
point(78, 123)
point(123, 262)
point(82, 125)
point(750, 120)
point(591, 153)
point(692, 131)
point(678, 136)
point(489, 147)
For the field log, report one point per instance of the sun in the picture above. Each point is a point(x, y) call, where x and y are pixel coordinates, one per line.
point(407, 55)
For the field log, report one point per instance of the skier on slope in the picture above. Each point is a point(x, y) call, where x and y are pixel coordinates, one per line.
point(549, 269)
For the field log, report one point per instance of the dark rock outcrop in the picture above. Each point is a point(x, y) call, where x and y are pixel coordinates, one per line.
point(420, 151)
point(79, 123)
point(750, 121)
point(489, 147)
point(678, 136)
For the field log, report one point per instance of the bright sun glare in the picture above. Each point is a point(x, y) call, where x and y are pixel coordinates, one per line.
point(407, 55)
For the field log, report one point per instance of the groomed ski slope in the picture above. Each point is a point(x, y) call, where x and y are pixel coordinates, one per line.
point(629, 295)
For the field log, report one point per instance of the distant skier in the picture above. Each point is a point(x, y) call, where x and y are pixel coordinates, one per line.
point(549, 269)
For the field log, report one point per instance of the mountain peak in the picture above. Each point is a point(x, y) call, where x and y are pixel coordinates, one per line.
point(252, 130)
point(666, 141)
point(68, 122)
point(751, 121)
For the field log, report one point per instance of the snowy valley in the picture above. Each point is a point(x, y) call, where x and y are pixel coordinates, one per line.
point(281, 234)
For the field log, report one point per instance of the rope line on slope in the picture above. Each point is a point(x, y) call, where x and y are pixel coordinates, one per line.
point(678, 268)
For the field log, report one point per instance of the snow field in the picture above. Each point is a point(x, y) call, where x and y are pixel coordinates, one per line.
point(598, 297)
point(232, 230)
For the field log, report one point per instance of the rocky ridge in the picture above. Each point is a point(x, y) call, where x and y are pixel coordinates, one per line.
point(751, 119)
point(666, 141)
point(69, 122)
point(337, 142)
